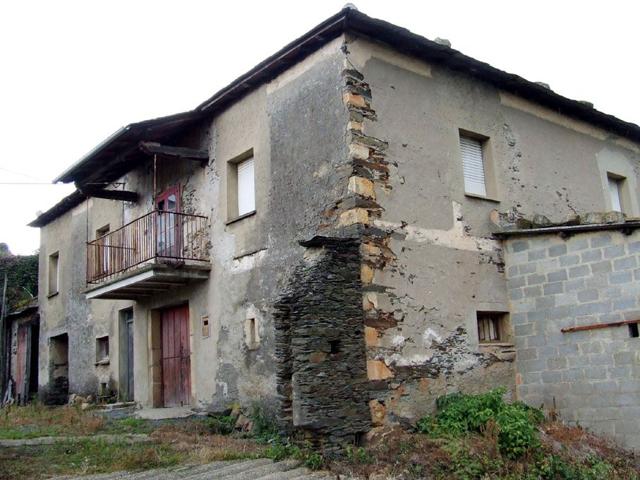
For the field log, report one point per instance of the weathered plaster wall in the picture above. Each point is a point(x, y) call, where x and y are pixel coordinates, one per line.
point(591, 378)
point(68, 311)
point(435, 264)
point(425, 273)
point(295, 127)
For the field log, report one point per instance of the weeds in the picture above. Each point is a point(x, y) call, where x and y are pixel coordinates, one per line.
point(459, 414)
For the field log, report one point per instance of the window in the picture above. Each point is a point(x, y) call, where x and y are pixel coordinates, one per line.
point(473, 165)
point(492, 327)
point(252, 339)
point(246, 188)
point(103, 250)
point(633, 330)
point(241, 195)
point(615, 191)
point(102, 349)
point(205, 326)
point(53, 273)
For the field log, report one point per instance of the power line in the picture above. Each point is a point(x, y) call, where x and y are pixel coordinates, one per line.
point(20, 173)
point(31, 183)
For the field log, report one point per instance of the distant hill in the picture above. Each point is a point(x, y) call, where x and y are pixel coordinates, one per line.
point(22, 277)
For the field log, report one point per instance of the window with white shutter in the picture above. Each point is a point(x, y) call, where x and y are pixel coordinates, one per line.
point(473, 165)
point(246, 187)
point(615, 192)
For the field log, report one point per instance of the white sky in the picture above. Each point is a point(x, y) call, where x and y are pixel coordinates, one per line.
point(73, 72)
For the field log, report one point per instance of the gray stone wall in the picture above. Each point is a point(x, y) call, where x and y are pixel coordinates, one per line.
point(590, 377)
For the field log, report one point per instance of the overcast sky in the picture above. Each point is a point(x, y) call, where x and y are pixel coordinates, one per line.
point(73, 72)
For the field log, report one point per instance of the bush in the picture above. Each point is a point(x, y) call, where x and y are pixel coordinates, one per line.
point(459, 414)
point(265, 428)
point(222, 425)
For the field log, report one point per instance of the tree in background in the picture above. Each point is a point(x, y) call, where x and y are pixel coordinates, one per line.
point(22, 277)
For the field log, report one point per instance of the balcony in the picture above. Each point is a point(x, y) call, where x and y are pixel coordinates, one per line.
point(150, 255)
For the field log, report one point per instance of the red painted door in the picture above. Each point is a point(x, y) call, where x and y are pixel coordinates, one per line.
point(176, 356)
point(21, 362)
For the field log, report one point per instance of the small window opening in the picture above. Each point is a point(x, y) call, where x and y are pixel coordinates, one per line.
point(102, 349)
point(205, 326)
point(252, 338)
point(633, 330)
point(53, 273)
point(334, 346)
point(492, 327)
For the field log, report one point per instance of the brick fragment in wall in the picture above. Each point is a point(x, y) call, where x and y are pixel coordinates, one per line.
point(320, 347)
point(361, 186)
point(354, 216)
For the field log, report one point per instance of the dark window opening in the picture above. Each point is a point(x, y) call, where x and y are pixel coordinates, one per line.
point(102, 349)
point(633, 330)
point(492, 327)
point(334, 346)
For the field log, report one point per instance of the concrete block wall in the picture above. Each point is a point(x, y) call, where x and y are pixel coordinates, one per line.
point(592, 377)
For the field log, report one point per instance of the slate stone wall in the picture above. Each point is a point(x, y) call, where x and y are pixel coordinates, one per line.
point(590, 377)
point(320, 348)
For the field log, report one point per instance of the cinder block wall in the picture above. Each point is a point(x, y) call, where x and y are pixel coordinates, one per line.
point(592, 377)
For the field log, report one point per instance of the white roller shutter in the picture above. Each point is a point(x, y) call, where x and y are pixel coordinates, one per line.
point(614, 190)
point(473, 166)
point(246, 187)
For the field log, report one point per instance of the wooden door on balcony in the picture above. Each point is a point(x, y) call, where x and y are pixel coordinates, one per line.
point(176, 356)
point(168, 233)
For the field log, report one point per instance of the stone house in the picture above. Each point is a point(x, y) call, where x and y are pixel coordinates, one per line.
point(320, 236)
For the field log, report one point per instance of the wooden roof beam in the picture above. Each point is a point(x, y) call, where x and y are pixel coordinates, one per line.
point(154, 148)
point(122, 195)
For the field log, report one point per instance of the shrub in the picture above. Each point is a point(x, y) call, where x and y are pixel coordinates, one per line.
point(459, 414)
point(265, 428)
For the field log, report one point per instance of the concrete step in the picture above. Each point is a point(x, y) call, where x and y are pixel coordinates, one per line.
point(287, 474)
point(259, 469)
point(231, 468)
point(263, 471)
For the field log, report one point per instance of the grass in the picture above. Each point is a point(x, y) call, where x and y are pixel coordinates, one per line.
point(172, 442)
point(37, 420)
point(84, 457)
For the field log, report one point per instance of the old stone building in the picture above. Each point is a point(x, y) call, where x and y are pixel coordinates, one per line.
point(320, 237)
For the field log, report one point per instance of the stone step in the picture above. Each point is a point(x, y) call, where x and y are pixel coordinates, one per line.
point(229, 469)
point(287, 474)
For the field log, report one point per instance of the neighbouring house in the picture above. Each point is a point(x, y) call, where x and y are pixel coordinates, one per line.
point(21, 350)
point(326, 236)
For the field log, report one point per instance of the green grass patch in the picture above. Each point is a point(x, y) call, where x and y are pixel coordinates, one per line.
point(84, 457)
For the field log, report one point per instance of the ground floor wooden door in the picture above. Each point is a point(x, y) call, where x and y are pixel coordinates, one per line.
point(176, 356)
point(21, 363)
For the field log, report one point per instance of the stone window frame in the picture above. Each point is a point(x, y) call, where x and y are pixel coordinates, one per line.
point(488, 160)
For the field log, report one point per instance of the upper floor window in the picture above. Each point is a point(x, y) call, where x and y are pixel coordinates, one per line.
point(616, 184)
point(53, 273)
point(477, 167)
point(246, 187)
point(241, 189)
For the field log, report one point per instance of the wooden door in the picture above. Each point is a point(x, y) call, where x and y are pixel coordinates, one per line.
point(130, 359)
point(176, 356)
point(22, 389)
point(168, 234)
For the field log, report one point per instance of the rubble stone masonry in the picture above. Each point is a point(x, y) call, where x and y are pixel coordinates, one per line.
point(590, 377)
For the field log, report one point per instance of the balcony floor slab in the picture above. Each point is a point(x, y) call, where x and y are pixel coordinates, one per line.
point(147, 281)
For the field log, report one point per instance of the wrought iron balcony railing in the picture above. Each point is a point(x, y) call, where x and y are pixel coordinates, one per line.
point(158, 236)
